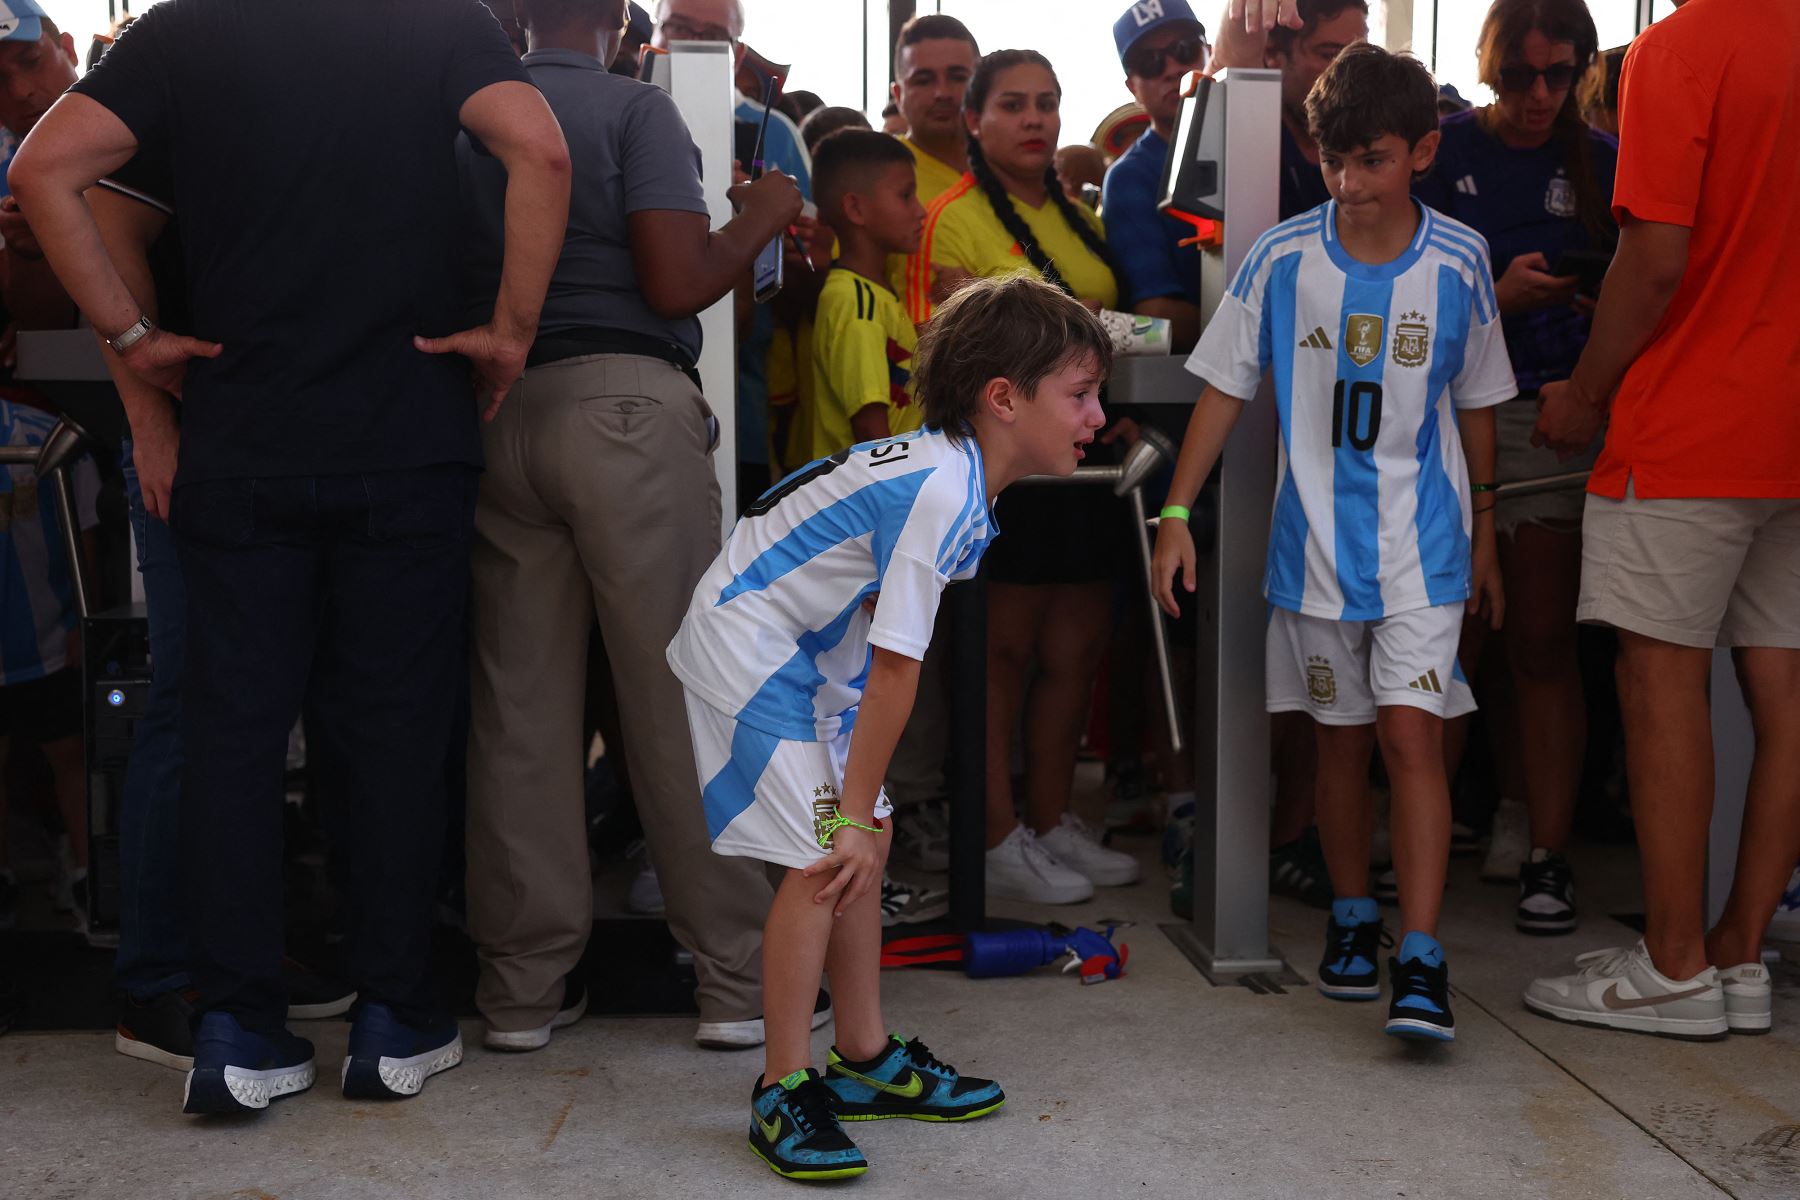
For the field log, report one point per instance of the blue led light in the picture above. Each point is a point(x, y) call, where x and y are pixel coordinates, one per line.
point(115, 698)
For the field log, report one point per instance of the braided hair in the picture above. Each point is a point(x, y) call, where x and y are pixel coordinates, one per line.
point(1000, 200)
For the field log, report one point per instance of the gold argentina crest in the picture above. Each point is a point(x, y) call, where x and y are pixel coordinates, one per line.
point(1321, 684)
point(1412, 340)
point(1362, 338)
point(825, 802)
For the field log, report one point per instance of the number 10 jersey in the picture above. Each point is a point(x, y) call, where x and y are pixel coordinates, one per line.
point(1369, 363)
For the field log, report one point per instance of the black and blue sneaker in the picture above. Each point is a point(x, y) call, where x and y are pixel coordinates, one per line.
point(1421, 1004)
point(237, 1070)
point(391, 1060)
point(794, 1129)
point(1353, 937)
point(907, 1080)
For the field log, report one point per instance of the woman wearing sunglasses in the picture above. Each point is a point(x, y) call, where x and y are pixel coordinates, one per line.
point(1530, 175)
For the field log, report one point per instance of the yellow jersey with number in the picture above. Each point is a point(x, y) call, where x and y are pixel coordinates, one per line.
point(962, 230)
point(862, 348)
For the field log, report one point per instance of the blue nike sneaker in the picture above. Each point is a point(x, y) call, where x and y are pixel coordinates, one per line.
point(794, 1129)
point(908, 1081)
point(237, 1070)
point(1353, 938)
point(391, 1060)
point(1421, 1004)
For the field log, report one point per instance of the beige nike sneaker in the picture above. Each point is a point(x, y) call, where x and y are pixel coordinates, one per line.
point(1749, 998)
point(1621, 989)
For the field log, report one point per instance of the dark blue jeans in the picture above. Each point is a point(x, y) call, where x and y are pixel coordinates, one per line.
point(152, 933)
point(353, 588)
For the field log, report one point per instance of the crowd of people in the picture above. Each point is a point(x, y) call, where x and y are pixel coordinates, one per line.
point(1570, 278)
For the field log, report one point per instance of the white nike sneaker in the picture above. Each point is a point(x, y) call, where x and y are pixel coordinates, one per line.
point(1021, 869)
point(1076, 845)
point(1749, 997)
point(1622, 989)
point(1510, 844)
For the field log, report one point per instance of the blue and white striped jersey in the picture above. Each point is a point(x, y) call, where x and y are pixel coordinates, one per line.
point(1369, 364)
point(37, 596)
point(777, 635)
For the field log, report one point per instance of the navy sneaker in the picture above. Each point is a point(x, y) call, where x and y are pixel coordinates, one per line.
point(1353, 938)
point(237, 1071)
point(908, 1081)
point(794, 1129)
point(1421, 1004)
point(391, 1060)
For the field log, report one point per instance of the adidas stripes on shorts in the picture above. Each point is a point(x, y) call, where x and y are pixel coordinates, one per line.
point(1340, 672)
point(765, 795)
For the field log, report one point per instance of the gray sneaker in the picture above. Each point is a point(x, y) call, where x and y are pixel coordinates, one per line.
point(1621, 989)
point(1749, 997)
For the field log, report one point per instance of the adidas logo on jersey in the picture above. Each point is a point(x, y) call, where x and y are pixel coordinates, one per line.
point(1427, 682)
point(1466, 185)
point(1316, 340)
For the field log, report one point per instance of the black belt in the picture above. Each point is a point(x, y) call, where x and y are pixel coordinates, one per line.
point(564, 344)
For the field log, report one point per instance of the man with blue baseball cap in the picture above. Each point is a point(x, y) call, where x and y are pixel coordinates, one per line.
point(1160, 42)
point(37, 64)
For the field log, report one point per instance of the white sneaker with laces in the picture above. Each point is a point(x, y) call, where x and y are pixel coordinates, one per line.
point(1749, 997)
point(1076, 845)
point(1510, 844)
point(1021, 869)
point(1622, 989)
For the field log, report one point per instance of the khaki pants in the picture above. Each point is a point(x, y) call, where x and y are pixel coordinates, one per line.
point(599, 497)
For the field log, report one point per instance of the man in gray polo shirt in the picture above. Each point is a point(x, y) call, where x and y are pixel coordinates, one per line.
point(600, 497)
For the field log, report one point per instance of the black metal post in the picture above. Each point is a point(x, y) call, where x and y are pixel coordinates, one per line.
point(965, 774)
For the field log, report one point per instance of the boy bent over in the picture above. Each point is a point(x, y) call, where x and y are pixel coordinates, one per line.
point(800, 655)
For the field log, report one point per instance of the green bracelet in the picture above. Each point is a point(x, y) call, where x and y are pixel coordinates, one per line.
point(1483, 487)
point(1173, 512)
point(828, 827)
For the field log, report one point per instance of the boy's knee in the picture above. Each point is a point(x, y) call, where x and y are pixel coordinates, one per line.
point(1410, 736)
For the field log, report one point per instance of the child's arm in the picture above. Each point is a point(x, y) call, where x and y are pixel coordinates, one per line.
point(870, 423)
point(1214, 415)
point(1476, 427)
point(856, 854)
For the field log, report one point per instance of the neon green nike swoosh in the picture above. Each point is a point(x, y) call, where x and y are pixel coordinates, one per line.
point(771, 1130)
point(912, 1091)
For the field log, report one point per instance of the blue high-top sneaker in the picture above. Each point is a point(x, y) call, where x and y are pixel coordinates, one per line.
point(237, 1070)
point(907, 1080)
point(391, 1060)
point(1421, 1004)
point(1353, 936)
point(794, 1129)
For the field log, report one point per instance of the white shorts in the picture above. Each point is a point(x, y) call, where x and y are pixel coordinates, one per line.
point(1340, 672)
point(765, 795)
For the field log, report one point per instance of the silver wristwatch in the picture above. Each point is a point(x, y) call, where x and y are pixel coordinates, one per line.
point(140, 329)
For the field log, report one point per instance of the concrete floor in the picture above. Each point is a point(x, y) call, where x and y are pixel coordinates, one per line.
point(1156, 1085)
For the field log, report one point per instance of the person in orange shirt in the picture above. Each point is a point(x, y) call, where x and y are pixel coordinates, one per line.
point(1692, 527)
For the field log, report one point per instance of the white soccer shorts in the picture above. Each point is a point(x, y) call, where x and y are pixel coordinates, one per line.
point(766, 795)
point(1340, 672)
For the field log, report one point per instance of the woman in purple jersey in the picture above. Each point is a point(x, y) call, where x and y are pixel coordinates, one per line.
point(1530, 175)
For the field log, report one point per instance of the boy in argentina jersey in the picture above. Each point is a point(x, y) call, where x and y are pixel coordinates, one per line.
point(800, 655)
point(1376, 320)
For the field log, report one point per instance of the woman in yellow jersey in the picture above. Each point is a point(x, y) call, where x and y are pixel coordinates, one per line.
point(1051, 576)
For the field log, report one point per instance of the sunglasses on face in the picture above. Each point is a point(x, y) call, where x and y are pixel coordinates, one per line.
point(1185, 53)
point(1557, 77)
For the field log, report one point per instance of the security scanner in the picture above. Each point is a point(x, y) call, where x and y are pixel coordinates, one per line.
point(701, 76)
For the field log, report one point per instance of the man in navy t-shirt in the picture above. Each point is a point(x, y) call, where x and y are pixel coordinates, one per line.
point(325, 477)
point(1158, 276)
